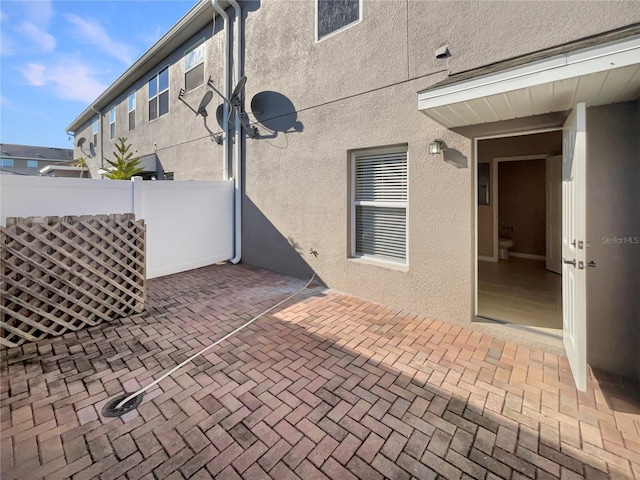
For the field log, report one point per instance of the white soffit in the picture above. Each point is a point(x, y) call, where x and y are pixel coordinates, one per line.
point(597, 76)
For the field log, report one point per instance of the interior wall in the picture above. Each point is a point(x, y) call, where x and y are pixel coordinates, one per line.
point(613, 232)
point(548, 143)
point(521, 205)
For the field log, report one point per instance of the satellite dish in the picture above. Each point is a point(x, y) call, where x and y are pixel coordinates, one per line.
point(206, 99)
point(239, 86)
point(81, 142)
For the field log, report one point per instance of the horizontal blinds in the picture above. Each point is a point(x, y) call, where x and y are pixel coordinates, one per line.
point(380, 184)
point(381, 177)
point(381, 231)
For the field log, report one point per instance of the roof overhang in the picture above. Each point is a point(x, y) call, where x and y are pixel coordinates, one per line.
point(148, 163)
point(195, 19)
point(62, 168)
point(598, 75)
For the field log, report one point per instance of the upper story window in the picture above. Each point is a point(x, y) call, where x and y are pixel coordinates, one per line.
point(159, 94)
point(112, 123)
point(194, 67)
point(32, 164)
point(6, 163)
point(95, 133)
point(335, 15)
point(131, 104)
point(379, 204)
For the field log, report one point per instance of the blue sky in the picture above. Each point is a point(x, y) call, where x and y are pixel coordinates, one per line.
point(57, 56)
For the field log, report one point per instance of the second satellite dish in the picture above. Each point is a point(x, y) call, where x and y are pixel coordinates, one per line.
point(206, 99)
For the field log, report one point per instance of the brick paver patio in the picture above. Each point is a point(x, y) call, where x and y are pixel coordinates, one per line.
point(328, 386)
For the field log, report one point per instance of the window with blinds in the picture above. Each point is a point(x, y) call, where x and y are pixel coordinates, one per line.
point(379, 207)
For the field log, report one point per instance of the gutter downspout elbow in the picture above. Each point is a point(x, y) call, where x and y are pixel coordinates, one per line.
point(237, 31)
point(227, 86)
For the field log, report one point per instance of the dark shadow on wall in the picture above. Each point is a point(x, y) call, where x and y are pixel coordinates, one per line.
point(264, 246)
point(270, 112)
point(456, 158)
point(275, 113)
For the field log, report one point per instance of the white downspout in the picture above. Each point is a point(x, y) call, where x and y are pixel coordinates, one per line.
point(227, 87)
point(100, 139)
point(237, 31)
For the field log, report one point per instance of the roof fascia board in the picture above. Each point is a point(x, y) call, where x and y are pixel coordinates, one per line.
point(561, 67)
point(51, 168)
point(39, 159)
point(155, 54)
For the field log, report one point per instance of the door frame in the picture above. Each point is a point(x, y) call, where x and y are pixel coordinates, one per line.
point(474, 193)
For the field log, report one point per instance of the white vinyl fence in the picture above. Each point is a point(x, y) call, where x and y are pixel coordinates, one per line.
point(189, 224)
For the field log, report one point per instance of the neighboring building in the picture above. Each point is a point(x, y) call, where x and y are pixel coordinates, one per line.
point(29, 160)
point(349, 98)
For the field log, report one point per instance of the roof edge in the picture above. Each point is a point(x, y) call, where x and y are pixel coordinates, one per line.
point(131, 74)
point(544, 54)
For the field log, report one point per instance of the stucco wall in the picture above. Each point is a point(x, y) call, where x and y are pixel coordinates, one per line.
point(179, 139)
point(357, 89)
point(613, 230)
point(480, 33)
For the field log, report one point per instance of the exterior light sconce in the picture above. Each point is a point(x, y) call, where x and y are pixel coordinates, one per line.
point(436, 147)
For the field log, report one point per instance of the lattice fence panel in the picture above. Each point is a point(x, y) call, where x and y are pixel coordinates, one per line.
point(64, 273)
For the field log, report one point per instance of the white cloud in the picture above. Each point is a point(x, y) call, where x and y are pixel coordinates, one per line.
point(33, 73)
point(92, 33)
point(6, 103)
point(35, 17)
point(69, 79)
point(39, 12)
point(39, 37)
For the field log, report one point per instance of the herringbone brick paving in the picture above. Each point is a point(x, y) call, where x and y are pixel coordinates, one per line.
point(328, 386)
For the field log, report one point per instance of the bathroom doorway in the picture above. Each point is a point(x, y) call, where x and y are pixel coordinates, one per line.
point(518, 230)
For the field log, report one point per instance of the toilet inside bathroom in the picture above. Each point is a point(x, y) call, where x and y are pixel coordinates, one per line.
point(504, 244)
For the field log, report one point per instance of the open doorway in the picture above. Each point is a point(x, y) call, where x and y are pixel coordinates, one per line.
point(519, 221)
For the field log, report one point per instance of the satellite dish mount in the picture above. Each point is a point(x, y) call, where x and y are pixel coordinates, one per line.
point(236, 102)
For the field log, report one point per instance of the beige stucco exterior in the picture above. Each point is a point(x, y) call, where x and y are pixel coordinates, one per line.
point(354, 90)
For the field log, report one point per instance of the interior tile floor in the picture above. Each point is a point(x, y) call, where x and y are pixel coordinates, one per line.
point(521, 291)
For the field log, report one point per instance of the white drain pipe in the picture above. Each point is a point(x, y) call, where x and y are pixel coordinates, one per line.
point(227, 86)
point(237, 173)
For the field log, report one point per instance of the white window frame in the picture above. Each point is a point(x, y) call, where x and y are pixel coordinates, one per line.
point(7, 163)
point(341, 29)
point(31, 162)
point(198, 44)
point(354, 203)
point(159, 92)
point(112, 123)
point(129, 110)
